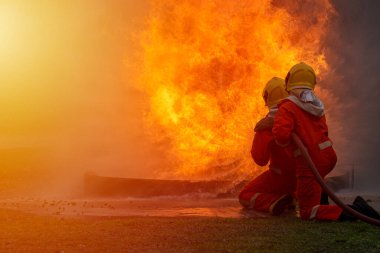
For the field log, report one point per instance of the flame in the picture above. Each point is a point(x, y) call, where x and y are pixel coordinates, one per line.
point(205, 64)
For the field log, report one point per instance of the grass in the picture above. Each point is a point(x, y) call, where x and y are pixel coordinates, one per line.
point(22, 232)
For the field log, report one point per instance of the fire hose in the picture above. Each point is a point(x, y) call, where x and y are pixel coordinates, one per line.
point(320, 180)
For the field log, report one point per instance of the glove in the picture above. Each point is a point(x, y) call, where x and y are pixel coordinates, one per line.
point(264, 124)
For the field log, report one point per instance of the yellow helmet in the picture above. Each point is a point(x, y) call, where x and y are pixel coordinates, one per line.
point(274, 91)
point(300, 75)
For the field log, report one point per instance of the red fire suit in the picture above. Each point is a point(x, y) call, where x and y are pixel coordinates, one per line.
point(292, 116)
point(265, 190)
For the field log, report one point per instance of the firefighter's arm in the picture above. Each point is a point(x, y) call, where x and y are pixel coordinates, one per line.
point(283, 126)
point(264, 124)
point(261, 147)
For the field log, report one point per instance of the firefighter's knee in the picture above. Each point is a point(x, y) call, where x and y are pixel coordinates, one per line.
point(305, 214)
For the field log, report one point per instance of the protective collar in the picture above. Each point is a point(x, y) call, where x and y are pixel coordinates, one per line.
point(272, 111)
point(309, 102)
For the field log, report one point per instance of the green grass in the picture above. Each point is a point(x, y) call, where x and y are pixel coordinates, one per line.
point(32, 233)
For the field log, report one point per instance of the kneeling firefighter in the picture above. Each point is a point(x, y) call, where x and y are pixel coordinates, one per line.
point(273, 190)
point(302, 113)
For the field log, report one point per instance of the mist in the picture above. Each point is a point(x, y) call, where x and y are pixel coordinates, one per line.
point(68, 98)
point(352, 51)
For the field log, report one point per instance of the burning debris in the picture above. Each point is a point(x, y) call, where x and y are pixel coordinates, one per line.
point(99, 186)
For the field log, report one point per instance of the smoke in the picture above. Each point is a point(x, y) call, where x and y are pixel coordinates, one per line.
point(352, 50)
point(67, 97)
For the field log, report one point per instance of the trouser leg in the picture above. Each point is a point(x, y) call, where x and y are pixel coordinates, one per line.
point(308, 195)
point(265, 190)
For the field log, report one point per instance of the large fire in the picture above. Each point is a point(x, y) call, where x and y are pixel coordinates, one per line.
point(204, 66)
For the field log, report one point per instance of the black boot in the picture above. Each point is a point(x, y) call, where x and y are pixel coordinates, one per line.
point(362, 206)
point(345, 216)
point(324, 198)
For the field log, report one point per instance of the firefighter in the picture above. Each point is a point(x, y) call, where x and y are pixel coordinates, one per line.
point(303, 113)
point(273, 190)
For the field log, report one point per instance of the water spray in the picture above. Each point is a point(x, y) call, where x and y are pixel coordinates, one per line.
point(331, 194)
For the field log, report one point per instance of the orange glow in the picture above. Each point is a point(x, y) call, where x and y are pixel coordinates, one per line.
point(205, 64)
point(65, 106)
